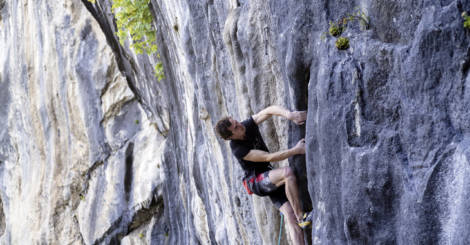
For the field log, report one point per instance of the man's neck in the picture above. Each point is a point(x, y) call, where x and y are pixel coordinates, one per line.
point(240, 138)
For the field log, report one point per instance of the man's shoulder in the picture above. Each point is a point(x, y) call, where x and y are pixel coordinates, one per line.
point(249, 121)
point(250, 125)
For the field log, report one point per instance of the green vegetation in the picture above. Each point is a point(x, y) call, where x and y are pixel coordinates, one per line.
point(336, 29)
point(342, 43)
point(339, 27)
point(360, 16)
point(134, 19)
point(159, 70)
point(466, 23)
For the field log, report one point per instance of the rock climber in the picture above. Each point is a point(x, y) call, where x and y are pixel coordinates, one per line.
point(260, 178)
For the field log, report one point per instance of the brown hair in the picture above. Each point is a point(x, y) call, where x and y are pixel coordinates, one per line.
point(222, 128)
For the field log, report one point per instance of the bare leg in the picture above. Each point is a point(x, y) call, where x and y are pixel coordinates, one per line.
point(296, 234)
point(286, 176)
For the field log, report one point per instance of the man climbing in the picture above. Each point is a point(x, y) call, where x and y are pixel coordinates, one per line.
point(279, 184)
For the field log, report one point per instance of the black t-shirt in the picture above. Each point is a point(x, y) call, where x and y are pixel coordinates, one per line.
point(253, 140)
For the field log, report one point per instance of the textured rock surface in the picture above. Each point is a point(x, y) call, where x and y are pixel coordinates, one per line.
point(387, 128)
point(95, 150)
point(71, 130)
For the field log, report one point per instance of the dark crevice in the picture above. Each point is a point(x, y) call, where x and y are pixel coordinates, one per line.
point(124, 61)
point(2, 5)
point(300, 78)
point(144, 215)
point(93, 168)
point(114, 226)
point(351, 229)
point(109, 82)
point(459, 6)
point(2, 219)
point(85, 32)
point(466, 64)
point(124, 225)
point(128, 174)
point(112, 111)
point(77, 224)
point(88, 176)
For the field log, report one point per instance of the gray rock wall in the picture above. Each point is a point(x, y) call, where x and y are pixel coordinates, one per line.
point(96, 151)
point(71, 131)
point(386, 130)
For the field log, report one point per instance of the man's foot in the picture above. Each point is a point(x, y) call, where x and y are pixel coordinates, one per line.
point(306, 220)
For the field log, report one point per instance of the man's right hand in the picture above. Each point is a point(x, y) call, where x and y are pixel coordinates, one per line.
point(300, 147)
point(298, 117)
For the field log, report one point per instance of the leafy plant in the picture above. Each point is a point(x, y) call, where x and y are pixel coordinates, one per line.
point(361, 17)
point(466, 23)
point(159, 71)
point(336, 29)
point(342, 43)
point(134, 20)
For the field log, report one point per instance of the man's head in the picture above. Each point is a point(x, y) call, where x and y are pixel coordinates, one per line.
point(229, 129)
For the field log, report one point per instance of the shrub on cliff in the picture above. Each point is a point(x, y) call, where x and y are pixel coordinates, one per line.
point(338, 27)
point(134, 19)
point(342, 43)
point(466, 23)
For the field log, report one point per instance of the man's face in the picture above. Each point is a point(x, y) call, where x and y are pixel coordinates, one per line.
point(237, 129)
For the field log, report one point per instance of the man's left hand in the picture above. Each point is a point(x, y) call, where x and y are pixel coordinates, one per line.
point(298, 117)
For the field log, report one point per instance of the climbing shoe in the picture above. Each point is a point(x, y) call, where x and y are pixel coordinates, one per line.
point(306, 220)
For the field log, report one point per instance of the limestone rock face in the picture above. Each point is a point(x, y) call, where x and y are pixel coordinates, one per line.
point(95, 150)
point(72, 132)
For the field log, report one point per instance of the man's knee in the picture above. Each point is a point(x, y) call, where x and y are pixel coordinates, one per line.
point(288, 212)
point(288, 173)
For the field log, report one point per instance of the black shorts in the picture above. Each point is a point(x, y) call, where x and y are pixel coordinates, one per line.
point(262, 186)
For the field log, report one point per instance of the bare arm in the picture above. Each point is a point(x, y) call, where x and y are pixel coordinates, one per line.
point(297, 117)
point(263, 156)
